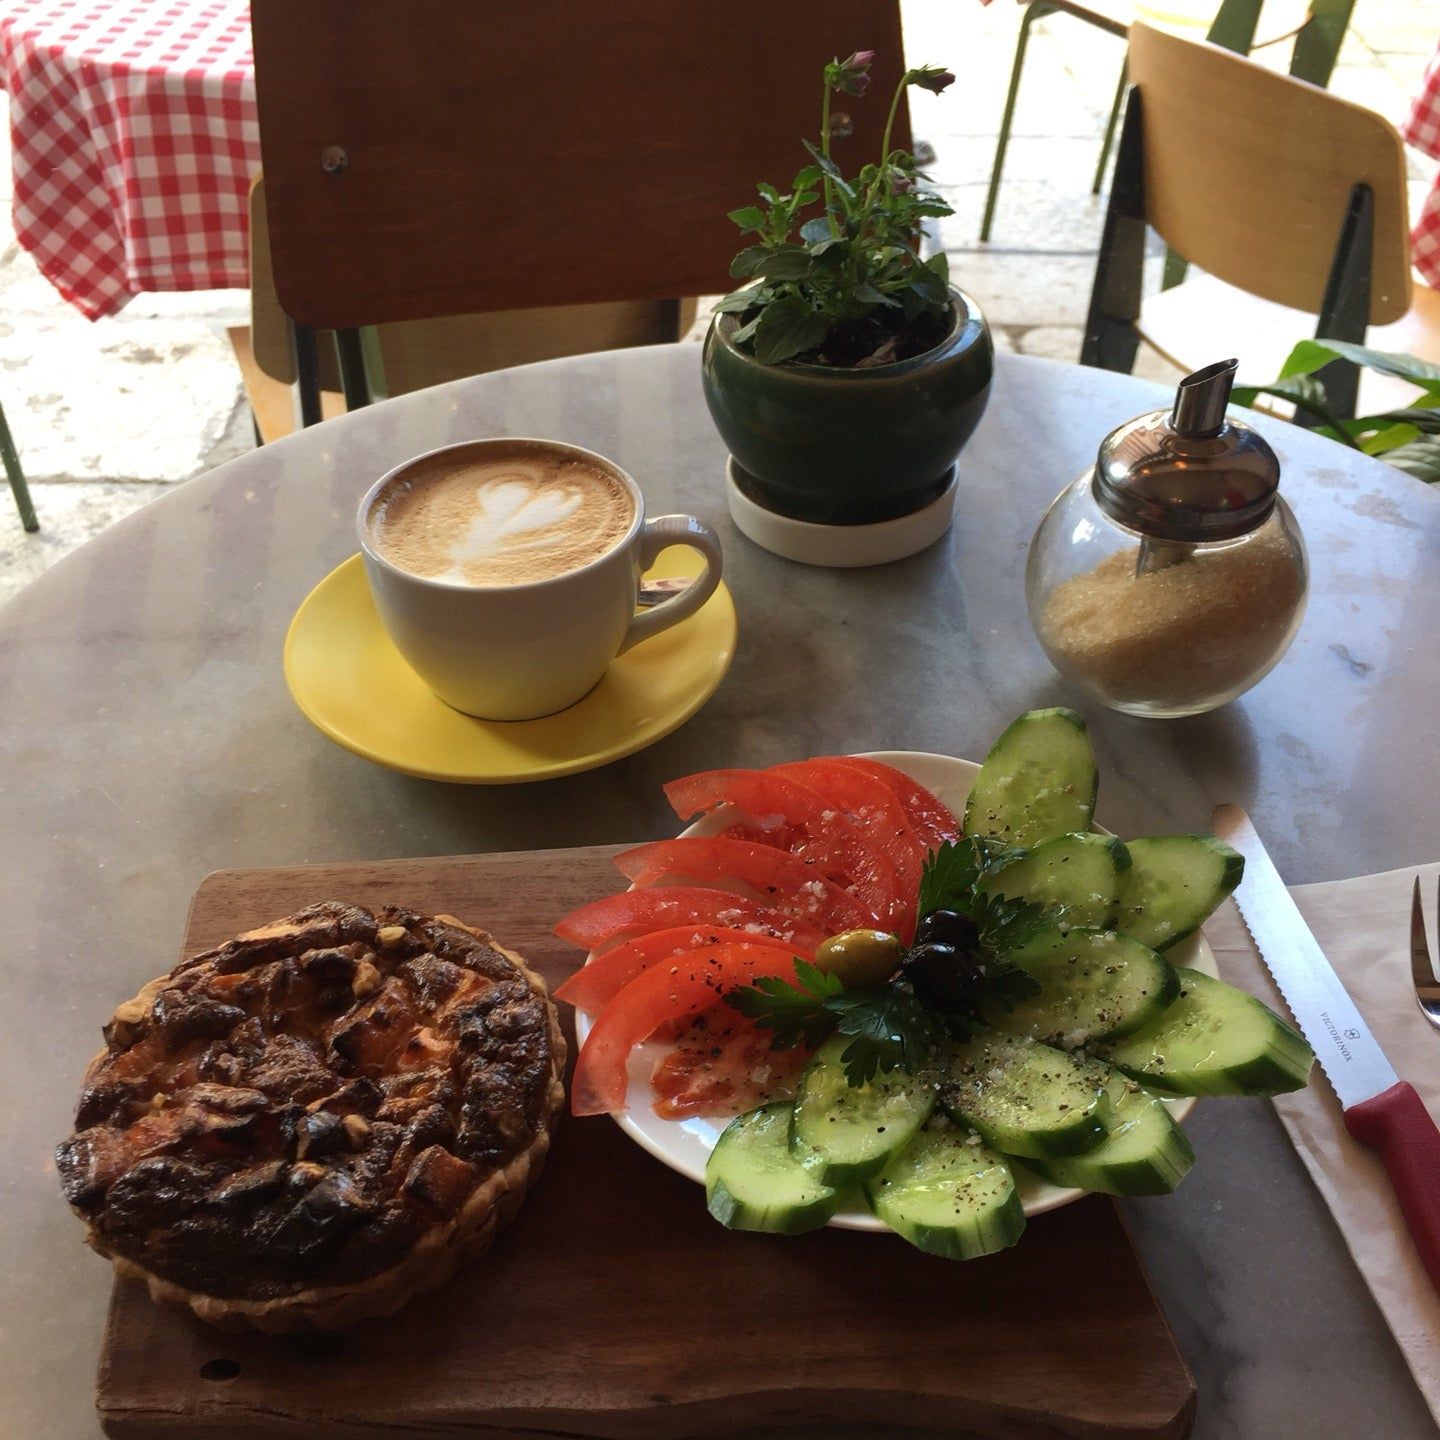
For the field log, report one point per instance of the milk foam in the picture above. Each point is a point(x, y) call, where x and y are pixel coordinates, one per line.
point(500, 516)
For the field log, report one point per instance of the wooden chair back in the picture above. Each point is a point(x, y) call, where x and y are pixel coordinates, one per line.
point(436, 158)
point(1248, 174)
point(415, 354)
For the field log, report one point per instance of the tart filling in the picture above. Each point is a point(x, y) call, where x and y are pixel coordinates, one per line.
point(313, 1108)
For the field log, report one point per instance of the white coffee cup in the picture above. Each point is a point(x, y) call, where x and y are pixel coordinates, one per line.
point(519, 651)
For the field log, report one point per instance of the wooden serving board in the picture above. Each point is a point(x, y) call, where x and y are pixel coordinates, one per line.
point(615, 1307)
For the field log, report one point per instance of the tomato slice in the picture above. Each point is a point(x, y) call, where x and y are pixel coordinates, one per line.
point(594, 985)
point(929, 817)
point(721, 1065)
point(636, 912)
point(663, 993)
point(788, 882)
point(869, 804)
point(843, 851)
point(781, 836)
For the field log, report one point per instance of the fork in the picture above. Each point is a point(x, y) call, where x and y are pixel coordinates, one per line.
point(1427, 987)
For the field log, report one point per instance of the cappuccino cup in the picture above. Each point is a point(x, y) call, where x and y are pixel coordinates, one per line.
point(506, 572)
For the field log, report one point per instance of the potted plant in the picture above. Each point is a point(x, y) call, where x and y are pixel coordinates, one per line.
point(847, 375)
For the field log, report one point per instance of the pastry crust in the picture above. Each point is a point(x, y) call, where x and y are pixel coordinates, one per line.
point(446, 1240)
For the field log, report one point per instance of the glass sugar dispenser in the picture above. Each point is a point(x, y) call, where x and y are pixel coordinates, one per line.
point(1171, 576)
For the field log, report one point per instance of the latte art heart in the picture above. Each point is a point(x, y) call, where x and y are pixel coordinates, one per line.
point(511, 518)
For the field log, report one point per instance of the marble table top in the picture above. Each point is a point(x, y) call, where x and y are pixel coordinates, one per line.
point(146, 738)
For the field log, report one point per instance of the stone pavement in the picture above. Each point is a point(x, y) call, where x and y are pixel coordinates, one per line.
point(107, 415)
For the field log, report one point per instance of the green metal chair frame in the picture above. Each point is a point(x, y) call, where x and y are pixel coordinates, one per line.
point(1317, 44)
point(16, 476)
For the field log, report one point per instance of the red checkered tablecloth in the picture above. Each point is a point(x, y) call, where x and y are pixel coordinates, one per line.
point(1422, 130)
point(134, 143)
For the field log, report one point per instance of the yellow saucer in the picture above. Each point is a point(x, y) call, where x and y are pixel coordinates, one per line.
point(351, 683)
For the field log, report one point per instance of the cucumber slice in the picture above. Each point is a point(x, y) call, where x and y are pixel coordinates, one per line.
point(1094, 985)
point(1173, 884)
point(948, 1194)
point(1023, 1097)
point(753, 1182)
point(844, 1132)
point(1038, 781)
point(1083, 873)
point(1214, 1040)
point(1144, 1151)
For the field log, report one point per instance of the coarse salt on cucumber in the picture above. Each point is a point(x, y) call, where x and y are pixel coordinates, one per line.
point(1038, 781)
point(1083, 873)
point(1214, 1040)
point(844, 1132)
point(948, 1194)
point(1144, 1151)
point(1173, 885)
point(1023, 1098)
point(753, 1182)
point(1094, 985)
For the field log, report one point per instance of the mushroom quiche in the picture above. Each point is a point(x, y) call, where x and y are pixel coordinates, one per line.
point(319, 1119)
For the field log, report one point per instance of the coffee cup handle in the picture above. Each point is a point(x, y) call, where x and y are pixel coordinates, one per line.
point(660, 534)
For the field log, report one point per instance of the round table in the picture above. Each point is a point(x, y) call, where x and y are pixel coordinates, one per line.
point(147, 738)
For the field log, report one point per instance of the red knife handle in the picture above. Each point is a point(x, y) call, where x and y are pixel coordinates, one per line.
point(1397, 1127)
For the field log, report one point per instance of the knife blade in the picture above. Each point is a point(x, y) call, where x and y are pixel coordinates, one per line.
point(1382, 1111)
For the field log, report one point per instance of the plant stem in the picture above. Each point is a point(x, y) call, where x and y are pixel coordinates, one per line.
point(884, 167)
point(825, 151)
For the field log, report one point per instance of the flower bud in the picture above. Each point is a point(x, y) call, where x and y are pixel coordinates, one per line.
point(931, 78)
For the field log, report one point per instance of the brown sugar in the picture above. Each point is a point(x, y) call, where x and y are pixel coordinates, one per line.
point(1197, 630)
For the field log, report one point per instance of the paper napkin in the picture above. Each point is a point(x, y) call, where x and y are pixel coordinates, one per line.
point(1363, 926)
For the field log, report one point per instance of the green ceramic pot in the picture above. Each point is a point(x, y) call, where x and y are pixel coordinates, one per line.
point(849, 447)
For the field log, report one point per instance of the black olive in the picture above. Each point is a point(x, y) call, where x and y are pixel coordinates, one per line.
point(949, 927)
point(942, 975)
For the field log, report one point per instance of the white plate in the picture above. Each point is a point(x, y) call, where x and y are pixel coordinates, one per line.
point(685, 1145)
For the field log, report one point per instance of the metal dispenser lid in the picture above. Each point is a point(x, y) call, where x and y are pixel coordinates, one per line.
point(1189, 474)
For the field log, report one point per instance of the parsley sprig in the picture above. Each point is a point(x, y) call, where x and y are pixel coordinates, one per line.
point(895, 1025)
point(889, 1028)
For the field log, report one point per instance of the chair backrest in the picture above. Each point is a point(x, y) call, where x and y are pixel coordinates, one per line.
point(436, 158)
point(417, 353)
point(1248, 174)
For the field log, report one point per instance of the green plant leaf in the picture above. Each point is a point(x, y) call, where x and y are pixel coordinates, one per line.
point(748, 217)
point(867, 293)
point(1420, 458)
point(791, 263)
point(769, 192)
point(1387, 362)
point(748, 261)
point(1305, 393)
point(1308, 356)
point(809, 176)
point(816, 231)
point(1390, 438)
point(788, 327)
point(746, 332)
point(830, 168)
point(739, 301)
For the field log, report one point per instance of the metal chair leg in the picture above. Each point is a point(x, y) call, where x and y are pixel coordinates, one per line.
point(1111, 339)
point(307, 372)
point(1110, 129)
point(351, 355)
point(1345, 310)
point(16, 476)
point(1034, 11)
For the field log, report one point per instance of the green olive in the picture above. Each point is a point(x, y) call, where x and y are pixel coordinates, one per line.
point(860, 957)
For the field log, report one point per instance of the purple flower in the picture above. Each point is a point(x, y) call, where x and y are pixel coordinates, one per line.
point(851, 75)
point(931, 78)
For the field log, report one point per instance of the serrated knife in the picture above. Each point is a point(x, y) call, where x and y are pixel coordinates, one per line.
point(1381, 1110)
